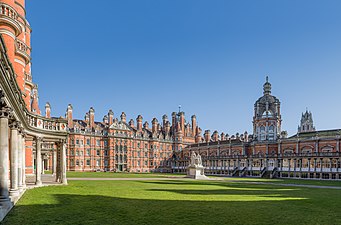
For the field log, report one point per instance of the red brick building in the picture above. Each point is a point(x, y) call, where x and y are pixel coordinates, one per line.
point(268, 152)
point(133, 146)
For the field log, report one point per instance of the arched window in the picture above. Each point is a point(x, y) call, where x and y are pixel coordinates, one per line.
point(272, 132)
point(267, 114)
point(262, 133)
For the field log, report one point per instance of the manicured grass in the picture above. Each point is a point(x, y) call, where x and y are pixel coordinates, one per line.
point(165, 175)
point(176, 202)
point(336, 183)
point(118, 175)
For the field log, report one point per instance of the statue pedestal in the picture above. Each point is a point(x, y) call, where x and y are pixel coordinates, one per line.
point(196, 172)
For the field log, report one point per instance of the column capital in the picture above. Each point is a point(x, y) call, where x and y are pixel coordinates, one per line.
point(38, 139)
point(22, 131)
point(6, 112)
point(14, 125)
point(61, 142)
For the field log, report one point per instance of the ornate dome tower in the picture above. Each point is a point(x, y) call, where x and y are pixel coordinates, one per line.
point(267, 116)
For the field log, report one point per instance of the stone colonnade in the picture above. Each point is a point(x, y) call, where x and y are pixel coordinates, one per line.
point(309, 166)
point(58, 161)
point(13, 158)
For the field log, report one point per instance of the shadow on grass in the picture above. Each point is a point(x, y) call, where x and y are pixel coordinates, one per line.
point(80, 209)
point(228, 203)
point(229, 185)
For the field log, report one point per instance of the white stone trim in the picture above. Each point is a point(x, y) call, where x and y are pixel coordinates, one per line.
point(7, 32)
point(20, 62)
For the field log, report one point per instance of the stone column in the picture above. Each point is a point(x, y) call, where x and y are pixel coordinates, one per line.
point(20, 157)
point(23, 160)
point(63, 162)
point(58, 178)
point(4, 155)
point(43, 164)
point(54, 162)
point(14, 158)
point(38, 161)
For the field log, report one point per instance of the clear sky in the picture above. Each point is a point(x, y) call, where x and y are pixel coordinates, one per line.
point(211, 56)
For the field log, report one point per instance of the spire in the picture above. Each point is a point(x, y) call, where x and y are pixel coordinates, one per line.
point(267, 87)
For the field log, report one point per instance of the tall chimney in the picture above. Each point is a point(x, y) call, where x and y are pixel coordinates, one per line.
point(207, 136)
point(69, 116)
point(111, 117)
point(139, 120)
point(47, 110)
point(92, 117)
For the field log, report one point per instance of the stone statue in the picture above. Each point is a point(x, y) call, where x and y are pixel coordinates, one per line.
point(196, 170)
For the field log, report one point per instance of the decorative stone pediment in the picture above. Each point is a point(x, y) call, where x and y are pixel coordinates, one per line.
point(119, 125)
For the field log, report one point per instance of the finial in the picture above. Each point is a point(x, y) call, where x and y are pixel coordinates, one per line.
point(267, 79)
point(179, 108)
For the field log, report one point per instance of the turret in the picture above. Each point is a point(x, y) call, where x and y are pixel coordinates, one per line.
point(173, 122)
point(131, 123)
point(16, 33)
point(167, 128)
point(110, 117)
point(87, 118)
point(207, 136)
point(198, 137)
point(194, 125)
point(123, 117)
point(182, 121)
point(246, 136)
point(69, 116)
point(222, 136)
point(215, 136)
point(307, 123)
point(47, 110)
point(164, 120)
point(154, 125)
point(105, 119)
point(35, 101)
point(139, 120)
point(267, 117)
point(146, 125)
point(92, 117)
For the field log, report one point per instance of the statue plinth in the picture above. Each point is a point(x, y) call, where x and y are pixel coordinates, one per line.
point(196, 172)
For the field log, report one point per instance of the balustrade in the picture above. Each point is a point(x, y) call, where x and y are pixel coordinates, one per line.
point(9, 16)
point(23, 50)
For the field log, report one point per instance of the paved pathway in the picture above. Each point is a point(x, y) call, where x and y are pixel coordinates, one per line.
point(213, 179)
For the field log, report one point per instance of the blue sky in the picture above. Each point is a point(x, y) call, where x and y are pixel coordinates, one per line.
point(148, 56)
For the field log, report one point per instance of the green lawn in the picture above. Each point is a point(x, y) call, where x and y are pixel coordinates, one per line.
point(178, 201)
point(336, 183)
point(119, 175)
point(165, 175)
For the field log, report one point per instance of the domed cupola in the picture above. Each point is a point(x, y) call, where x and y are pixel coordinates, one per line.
point(267, 116)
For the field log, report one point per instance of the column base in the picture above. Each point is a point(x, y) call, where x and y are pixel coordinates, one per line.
point(21, 188)
point(14, 192)
point(39, 183)
point(64, 181)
